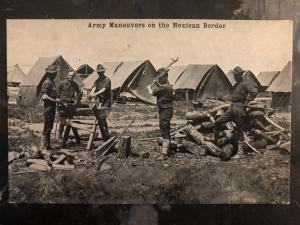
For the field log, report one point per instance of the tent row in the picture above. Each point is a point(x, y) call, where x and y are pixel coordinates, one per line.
point(191, 82)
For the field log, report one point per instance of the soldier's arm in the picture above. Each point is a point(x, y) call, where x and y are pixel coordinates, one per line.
point(46, 88)
point(156, 89)
point(106, 85)
point(252, 93)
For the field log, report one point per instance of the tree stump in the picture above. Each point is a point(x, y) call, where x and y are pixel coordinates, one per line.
point(124, 146)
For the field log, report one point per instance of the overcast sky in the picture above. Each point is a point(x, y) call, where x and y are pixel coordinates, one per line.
point(254, 45)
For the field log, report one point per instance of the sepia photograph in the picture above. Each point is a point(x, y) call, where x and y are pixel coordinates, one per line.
point(149, 111)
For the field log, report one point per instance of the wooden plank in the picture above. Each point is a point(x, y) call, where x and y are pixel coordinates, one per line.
point(91, 138)
point(102, 147)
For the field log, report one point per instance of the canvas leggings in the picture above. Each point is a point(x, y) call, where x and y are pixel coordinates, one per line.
point(165, 116)
point(236, 113)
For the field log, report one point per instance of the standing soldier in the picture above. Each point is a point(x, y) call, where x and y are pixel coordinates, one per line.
point(49, 96)
point(69, 93)
point(101, 91)
point(163, 91)
point(243, 92)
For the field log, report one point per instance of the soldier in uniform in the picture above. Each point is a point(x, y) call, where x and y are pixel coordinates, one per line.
point(163, 91)
point(69, 93)
point(101, 91)
point(243, 92)
point(49, 96)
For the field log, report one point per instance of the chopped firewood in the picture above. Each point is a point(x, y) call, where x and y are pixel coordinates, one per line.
point(63, 167)
point(24, 171)
point(39, 167)
point(37, 161)
point(191, 147)
point(60, 159)
point(263, 135)
point(276, 125)
point(251, 147)
point(210, 147)
point(278, 143)
point(229, 126)
point(258, 124)
point(286, 144)
point(12, 156)
point(256, 114)
point(103, 147)
point(66, 152)
point(199, 116)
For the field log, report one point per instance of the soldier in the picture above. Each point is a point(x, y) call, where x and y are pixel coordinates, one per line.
point(49, 96)
point(163, 91)
point(101, 91)
point(69, 93)
point(243, 92)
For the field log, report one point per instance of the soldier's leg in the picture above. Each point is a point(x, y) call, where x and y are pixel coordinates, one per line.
point(239, 115)
point(104, 126)
point(165, 116)
point(51, 121)
point(226, 117)
point(62, 120)
point(66, 136)
point(47, 127)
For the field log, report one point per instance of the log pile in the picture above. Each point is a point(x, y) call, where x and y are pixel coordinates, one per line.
point(260, 133)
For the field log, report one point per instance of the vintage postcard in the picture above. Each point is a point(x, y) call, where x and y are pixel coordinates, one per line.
point(149, 111)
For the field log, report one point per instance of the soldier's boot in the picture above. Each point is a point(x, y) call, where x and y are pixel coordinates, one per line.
point(65, 137)
point(164, 150)
point(43, 144)
point(104, 131)
point(240, 150)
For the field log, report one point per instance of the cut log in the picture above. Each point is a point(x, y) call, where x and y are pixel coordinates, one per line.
point(257, 114)
point(227, 152)
point(63, 167)
point(265, 136)
point(191, 147)
point(39, 167)
point(103, 147)
point(124, 147)
point(195, 115)
point(60, 159)
point(210, 147)
point(259, 124)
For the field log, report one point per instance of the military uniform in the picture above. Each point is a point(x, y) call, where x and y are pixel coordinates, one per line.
point(67, 92)
point(105, 100)
point(243, 92)
point(48, 88)
point(164, 95)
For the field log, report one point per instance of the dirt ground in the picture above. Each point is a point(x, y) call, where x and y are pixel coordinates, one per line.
point(183, 178)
